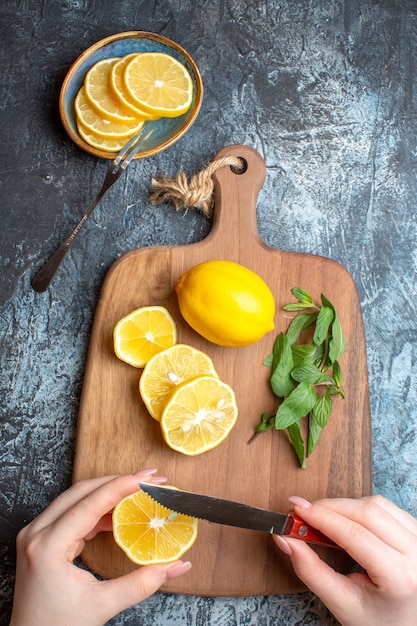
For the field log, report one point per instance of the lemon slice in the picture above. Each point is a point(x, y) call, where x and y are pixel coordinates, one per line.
point(159, 84)
point(119, 92)
point(98, 94)
point(168, 369)
point(150, 533)
point(97, 141)
point(98, 125)
point(199, 415)
point(143, 333)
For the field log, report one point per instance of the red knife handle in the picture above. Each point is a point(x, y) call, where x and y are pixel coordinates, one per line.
point(296, 527)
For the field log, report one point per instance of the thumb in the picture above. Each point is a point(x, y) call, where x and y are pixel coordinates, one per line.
point(336, 590)
point(120, 593)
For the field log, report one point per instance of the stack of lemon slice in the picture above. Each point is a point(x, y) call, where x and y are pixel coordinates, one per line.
point(121, 93)
point(179, 384)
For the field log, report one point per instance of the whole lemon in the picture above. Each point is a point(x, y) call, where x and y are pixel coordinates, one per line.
point(226, 303)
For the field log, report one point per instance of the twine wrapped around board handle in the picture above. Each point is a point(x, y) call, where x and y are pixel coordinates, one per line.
point(198, 193)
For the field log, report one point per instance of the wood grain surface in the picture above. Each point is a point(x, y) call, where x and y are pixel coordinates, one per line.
point(116, 435)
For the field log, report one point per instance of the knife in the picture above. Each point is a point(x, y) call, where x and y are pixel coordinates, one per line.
point(229, 513)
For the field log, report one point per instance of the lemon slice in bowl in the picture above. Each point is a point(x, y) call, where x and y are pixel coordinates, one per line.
point(198, 415)
point(99, 126)
point(150, 533)
point(100, 142)
point(119, 91)
point(143, 333)
point(98, 94)
point(168, 369)
point(156, 82)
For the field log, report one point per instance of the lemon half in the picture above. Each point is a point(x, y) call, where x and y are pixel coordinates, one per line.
point(150, 533)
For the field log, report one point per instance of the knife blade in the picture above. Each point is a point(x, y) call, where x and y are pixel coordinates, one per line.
point(229, 513)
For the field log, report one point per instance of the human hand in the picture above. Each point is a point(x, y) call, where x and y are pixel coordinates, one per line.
point(382, 538)
point(50, 590)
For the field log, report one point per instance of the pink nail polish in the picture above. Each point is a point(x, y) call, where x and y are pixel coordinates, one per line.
point(178, 569)
point(300, 502)
point(145, 472)
point(282, 544)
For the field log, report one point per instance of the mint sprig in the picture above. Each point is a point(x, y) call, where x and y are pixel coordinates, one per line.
point(305, 376)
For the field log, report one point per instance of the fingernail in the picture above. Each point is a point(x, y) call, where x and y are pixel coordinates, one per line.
point(301, 502)
point(159, 479)
point(282, 544)
point(145, 472)
point(178, 569)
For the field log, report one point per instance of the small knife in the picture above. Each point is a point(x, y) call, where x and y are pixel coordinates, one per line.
point(229, 513)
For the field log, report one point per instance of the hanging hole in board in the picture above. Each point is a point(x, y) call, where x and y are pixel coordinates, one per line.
point(241, 169)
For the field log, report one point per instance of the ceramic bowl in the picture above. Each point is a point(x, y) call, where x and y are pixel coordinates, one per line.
point(166, 130)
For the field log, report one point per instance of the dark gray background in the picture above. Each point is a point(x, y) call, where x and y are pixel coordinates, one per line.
point(325, 90)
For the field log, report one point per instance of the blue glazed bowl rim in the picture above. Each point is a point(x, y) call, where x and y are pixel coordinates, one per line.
point(166, 130)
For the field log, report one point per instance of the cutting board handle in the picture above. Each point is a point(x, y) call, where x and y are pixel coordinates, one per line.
point(235, 197)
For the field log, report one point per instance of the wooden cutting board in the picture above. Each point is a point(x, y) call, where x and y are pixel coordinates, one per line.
point(116, 435)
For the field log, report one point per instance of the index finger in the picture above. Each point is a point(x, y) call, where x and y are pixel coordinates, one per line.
point(66, 500)
point(72, 495)
point(367, 546)
point(365, 510)
point(82, 517)
point(383, 519)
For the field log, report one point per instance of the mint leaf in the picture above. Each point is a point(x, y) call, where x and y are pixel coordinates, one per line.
point(325, 302)
point(323, 322)
point(282, 365)
point(302, 295)
point(337, 374)
point(265, 423)
point(296, 406)
point(307, 354)
point(297, 441)
point(298, 324)
point(310, 373)
point(296, 306)
point(337, 344)
point(314, 431)
point(318, 419)
point(305, 301)
point(322, 409)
